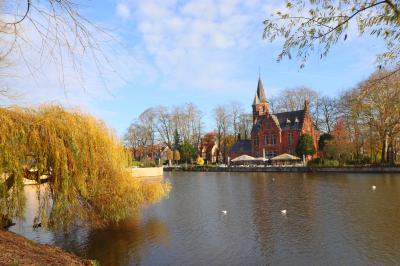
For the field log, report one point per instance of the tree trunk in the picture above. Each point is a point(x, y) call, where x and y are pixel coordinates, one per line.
point(384, 150)
point(390, 152)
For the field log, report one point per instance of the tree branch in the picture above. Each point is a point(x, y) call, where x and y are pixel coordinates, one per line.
point(23, 17)
point(349, 18)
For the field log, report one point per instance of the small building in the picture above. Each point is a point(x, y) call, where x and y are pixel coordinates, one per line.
point(208, 148)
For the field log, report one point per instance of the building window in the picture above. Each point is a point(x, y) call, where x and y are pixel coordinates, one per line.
point(265, 140)
point(256, 141)
point(290, 138)
point(273, 140)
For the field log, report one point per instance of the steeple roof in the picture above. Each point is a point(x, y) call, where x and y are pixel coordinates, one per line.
point(260, 94)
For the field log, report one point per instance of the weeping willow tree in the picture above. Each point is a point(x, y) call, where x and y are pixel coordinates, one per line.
point(80, 165)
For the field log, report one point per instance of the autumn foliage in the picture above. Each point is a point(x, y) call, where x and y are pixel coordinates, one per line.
point(82, 163)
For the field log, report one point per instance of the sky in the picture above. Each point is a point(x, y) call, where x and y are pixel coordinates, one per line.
point(170, 52)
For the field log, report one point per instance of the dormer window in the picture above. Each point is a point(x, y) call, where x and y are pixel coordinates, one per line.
point(288, 121)
point(296, 120)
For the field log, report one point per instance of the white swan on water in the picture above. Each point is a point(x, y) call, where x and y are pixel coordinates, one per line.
point(224, 211)
point(283, 212)
point(373, 187)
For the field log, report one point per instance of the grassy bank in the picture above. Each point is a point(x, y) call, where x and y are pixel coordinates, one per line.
point(17, 250)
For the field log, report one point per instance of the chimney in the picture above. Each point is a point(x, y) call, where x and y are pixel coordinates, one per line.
point(307, 105)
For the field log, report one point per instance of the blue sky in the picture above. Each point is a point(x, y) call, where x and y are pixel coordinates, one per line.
point(204, 51)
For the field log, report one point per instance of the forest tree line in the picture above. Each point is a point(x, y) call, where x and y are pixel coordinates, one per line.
point(361, 125)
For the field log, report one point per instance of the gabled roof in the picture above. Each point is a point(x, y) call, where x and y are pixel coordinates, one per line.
point(241, 146)
point(285, 121)
point(260, 93)
point(291, 120)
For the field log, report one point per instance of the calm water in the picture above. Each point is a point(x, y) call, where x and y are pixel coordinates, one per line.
point(331, 219)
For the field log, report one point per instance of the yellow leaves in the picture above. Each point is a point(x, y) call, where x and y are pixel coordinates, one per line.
point(200, 161)
point(85, 160)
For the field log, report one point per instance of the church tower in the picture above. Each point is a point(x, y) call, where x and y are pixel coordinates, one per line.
point(260, 104)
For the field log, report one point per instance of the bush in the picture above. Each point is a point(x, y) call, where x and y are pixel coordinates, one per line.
point(318, 162)
point(200, 161)
point(147, 163)
point(135, 163)
point(331, 163)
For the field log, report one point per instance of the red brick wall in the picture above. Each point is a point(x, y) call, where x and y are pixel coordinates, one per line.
point(268, 128)
point(282, 145)
point(308, 128)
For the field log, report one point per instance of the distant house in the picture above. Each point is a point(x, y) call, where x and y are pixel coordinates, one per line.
point(274, 134)
point(164, 152)
point(208, 147)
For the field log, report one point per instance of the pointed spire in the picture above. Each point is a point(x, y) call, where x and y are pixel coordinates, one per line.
point(260, 94)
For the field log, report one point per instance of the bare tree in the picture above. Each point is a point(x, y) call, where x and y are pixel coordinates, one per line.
point(53, 30)
point(293, 99)
point(328, 111)
point(223, 125)
point(147, 121)
point(164, 125)
point(245, 125)
point(236, 110)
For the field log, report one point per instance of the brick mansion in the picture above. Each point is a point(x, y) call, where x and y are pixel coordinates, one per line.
point(274, 134)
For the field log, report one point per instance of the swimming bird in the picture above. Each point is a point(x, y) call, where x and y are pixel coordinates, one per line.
point(273, 179)
point(283, 212)
point(373, 187)
point(224, 211)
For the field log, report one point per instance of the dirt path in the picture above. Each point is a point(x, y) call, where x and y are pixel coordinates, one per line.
point(17, 250)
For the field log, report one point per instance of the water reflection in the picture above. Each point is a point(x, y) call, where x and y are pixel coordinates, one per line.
point(331, 219)
point(121, 244)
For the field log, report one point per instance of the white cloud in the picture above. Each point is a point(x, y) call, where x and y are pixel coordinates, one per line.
point(122, 11)
point(198, 44)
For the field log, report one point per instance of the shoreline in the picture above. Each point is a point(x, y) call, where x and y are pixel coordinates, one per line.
point(18, 250)
point(294, 169)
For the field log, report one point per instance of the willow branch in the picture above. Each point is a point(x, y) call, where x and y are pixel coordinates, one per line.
point(349, 18)
point(28, 6)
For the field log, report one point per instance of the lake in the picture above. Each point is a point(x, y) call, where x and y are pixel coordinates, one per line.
point(330, 219)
